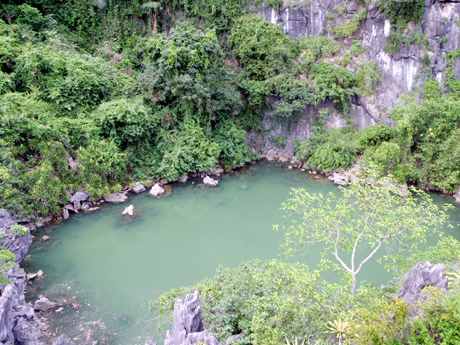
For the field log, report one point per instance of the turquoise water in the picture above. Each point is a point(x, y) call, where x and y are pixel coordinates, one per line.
point(115, 267)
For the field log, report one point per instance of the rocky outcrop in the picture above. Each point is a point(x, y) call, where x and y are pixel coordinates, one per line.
point(17, 322)
point(187, 326)
point(138, 188)
point(401, 73)
point(44, 304)
point(156, 190)
point(182, 179)
point(210, 182)
point(116, 198)
point(423, 274)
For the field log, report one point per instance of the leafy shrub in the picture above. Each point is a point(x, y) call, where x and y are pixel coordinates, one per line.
point(184, 76)
point(366, 76)
point(328, 150)
point(374, 135)
point(186, 150)
point(332, 82)
point(356, 48)
point(315, 47)
point(127, 122)
point(18, 230)
point(232, 142)
point(262, 48)
point(347, 29)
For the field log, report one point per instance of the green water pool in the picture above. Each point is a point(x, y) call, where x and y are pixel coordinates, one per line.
point(115, 267)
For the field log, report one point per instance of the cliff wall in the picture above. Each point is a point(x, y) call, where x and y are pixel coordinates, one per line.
point(401, 73)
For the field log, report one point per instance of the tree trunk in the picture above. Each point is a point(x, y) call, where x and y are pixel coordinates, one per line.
point(353, 284)
point(155, 16)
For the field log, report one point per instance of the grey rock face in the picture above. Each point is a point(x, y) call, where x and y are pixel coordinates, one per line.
point(401, 73)
point(44, 304)
point(233, 338)
point(116, 198)
point(79, 196)
point(23, 333)
point(187, 324)
point(421, 275)
point(62, 340)
point(138, 188)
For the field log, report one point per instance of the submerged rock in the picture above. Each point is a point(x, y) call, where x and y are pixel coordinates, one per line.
point(138, 188)
point(116, 198)
point(187, 326)
point(150, 342)
point(61, 340)
point(210, 182)
point(45, 238)
point(44, 304)
point(92, 209)
point(156, 190)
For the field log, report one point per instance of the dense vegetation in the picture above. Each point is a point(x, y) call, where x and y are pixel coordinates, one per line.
point(97, 94)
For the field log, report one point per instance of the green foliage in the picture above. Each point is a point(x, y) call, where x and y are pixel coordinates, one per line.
point(262, 48)
point(332, 82)
point(366, 217)
point(330, 16)
point(431, 89)
point(184, 76)
point(347, 29)
point(233, 147)
point(366, 77)
point(186, 150)
point(316, 47)
point(401, 12)
point(395, 40)
point(328, 150)
point(7, 260)
point(18, 230)
point(356, 48)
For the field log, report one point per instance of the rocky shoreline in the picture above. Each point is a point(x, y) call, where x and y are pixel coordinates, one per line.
point(19, 321)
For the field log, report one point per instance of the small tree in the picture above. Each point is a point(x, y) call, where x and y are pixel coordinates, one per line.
point(366, 217)
point(152, 7)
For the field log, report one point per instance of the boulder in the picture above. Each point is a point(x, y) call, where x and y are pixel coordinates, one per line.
point(71, 208)
point(187, 324)
point(210, 182)
point(129, 211)
point(216, 171)
point(457, 194)
point(138, 188)
point(79, 197)
point(39, 274)
point(31, 276)
point(44, 304)
point(337, 178)
point(45, 238)
point(23, 333)
point(61, 340)
point(85, 206)
point(150, 342)
point(116, 198)
point(92, 209)
point(423, 274)
point(156, 190)
point(182, 179)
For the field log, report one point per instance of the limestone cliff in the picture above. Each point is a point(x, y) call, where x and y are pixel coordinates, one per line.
point(401, 73)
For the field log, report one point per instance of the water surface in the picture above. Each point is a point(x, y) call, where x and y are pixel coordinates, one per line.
point(115, 267)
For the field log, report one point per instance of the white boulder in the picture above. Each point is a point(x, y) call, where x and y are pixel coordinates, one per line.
point(210, 182)
point(156, 190)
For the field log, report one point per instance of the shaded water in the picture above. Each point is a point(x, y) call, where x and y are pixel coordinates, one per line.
point(115, 267)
